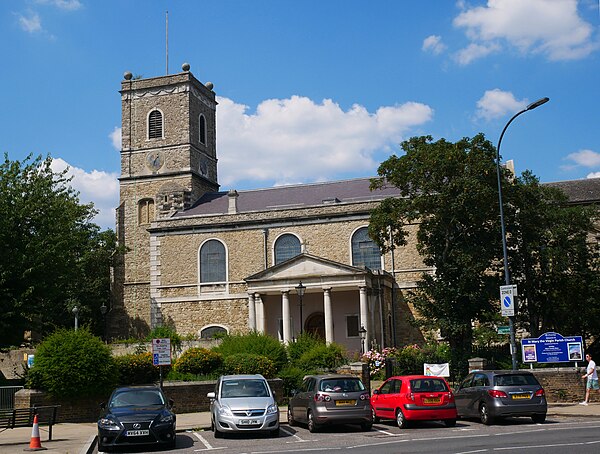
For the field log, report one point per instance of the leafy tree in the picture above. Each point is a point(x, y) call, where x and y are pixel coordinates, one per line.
point(450, 191)
point(52, 257)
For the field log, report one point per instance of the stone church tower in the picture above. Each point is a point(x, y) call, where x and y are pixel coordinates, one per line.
point(168, 161)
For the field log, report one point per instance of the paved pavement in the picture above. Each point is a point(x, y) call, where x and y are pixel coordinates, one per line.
point(68, 438)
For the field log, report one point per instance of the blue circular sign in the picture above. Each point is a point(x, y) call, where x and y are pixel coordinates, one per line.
point(507, 302)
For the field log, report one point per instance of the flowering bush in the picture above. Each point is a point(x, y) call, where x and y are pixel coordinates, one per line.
point(376, 360)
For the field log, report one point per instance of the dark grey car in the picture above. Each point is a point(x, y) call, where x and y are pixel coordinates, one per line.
point(490, 395)
point(331, 399)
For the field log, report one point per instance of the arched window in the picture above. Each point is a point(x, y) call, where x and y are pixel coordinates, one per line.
point(155, 125)
point(364, 250)
point(286, 247)
point(202, 125)
point(145, 211)
point(212, 262)
point(210, 332)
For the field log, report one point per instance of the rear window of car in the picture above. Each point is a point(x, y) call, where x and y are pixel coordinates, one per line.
point(515, 380)
point(344, 385)
point(422, 385)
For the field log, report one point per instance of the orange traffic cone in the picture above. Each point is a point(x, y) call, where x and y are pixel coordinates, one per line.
point(35, 444)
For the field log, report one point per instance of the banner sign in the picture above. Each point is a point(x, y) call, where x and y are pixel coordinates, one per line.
point(552, 348)
point(438, 370)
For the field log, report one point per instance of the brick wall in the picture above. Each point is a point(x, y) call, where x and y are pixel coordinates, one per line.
point(562, 384)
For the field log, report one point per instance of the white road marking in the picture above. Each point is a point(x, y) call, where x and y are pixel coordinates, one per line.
point(293, 434)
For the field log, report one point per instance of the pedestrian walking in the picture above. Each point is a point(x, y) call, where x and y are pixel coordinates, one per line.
point(592, 378)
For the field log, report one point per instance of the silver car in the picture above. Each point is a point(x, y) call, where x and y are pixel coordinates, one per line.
point(242, 404)
point(491, 395)
point(331, 399)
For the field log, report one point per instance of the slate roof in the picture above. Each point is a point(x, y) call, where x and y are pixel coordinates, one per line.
point(293, 196)
point(586, 191)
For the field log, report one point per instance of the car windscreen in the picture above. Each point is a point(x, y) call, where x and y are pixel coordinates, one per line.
point(341, 385)
point(244, 388)
point(428, 385)
point(137, 398)
point(515, 380)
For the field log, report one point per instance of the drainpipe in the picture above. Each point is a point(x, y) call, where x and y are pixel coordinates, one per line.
point(266, 251)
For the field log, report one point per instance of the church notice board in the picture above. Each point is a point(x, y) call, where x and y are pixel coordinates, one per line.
point(552, 348)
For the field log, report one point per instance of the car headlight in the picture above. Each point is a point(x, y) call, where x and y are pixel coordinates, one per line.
point(108, 424)
point(225, 411)
point(166, 419)
point(272, 409)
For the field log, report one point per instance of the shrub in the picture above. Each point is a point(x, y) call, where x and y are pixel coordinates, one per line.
point(73, 364)
point(243, 363)
point(322, 358)
point(198, 361)
point(292, 378)
point(376, 360)
point(137, 369)
point(256, 344)
point(304, 343)
point(410, 359)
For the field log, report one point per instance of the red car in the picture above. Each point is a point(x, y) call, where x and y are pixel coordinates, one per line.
point(414, 398)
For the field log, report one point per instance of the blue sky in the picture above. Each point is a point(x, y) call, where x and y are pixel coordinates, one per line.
point(308, 90)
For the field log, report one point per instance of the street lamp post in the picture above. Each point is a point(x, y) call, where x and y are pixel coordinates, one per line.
point(363, 334)
point(300, 289)
point(75, 311)
point(511, 322)
point(103, 311)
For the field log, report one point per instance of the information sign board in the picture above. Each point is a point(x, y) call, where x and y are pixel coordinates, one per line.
point(161, 352)
point(552, 348)
point(507, 300)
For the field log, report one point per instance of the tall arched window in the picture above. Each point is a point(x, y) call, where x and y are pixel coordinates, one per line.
point(202, 125)
point(364, 250)
point(155, 125)
point(145, 211)
point(212, 262)
point(286, 247)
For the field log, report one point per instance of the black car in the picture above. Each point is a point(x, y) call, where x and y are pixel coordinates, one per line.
point(490, 395)
point(136, 415)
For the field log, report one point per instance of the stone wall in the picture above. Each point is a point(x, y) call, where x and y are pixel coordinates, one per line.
point(562, 384)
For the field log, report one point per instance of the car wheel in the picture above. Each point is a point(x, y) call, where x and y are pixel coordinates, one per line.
point(375, 418)
point(312, 425)
point(366, 426)
point(401, 419)
point(484, 415)
point(450, 422)
point(290, 416)
point(539, 418)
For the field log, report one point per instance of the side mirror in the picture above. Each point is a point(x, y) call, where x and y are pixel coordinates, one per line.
point(375, 391)
point(211, 395)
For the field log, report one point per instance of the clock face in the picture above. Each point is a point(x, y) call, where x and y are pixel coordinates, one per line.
point(154, 160)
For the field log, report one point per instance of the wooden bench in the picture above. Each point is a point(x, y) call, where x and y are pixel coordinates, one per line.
point(23, 417)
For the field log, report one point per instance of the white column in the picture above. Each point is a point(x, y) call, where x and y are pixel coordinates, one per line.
point(364, 315)
point(260, 313)
point(251, 312)
point(285, 315)
point(328, 315)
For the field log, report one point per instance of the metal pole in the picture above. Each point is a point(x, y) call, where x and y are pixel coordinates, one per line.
point(511, 322)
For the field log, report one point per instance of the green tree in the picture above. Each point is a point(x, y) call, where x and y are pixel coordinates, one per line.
point(52, 257)
point(450, 191)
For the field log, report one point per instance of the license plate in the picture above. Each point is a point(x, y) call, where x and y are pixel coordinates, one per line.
point(137, 433)
point(249, 422)
point(520, 396)
point(344, 403)
point(431, 400)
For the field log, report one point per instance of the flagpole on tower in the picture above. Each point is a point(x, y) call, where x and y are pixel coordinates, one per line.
point(167, 40)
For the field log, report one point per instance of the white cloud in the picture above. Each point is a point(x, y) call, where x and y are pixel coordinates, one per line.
point(552, 28)
point(434, 45)
point(99, 187)
point(296, 139)
point(497, 103)
point(474, 51)
point(115, 138)
point(31, 23)
point(585, 158)
point(593, 175)
point(68, 5)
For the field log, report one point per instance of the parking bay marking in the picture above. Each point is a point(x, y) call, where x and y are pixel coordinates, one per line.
point(206, 443)
point(293, 434)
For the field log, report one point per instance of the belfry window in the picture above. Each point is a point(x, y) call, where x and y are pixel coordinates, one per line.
point(202, 125)
point(365, 253)
point(155, 125)
point(212, 262)
point(286, 247)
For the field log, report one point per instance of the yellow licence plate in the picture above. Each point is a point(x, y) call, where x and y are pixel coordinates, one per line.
point(342, 403)
point(520, 396)
point(431, 400)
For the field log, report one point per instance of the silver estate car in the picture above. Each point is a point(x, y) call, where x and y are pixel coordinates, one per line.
point(331, 399)
point(491, 395)
point(242, 404)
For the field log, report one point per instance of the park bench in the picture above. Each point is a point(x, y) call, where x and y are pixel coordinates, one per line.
point(23, 417)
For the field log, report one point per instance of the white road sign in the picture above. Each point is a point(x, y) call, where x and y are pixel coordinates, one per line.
point(507, 300)
point(161, 352)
